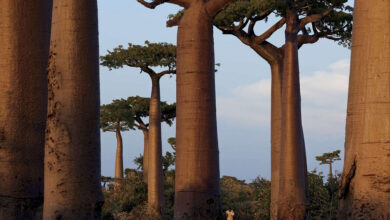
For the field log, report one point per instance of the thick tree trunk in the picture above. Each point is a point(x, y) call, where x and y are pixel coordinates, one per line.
point(365, 185)
point(276, 118)
point(72, 151)
point(292, 180)
point(197, 194)
point(24, 48)
point(119, 155)
point(155, 173)
point(145, 162)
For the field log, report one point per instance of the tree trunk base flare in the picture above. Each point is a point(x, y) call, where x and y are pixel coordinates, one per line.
point(24, 48)
point(203, 206)
point(365, 182)
point(72, 148)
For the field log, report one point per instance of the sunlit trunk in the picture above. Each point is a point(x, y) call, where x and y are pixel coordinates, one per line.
point(197, 194)
point(292, 180)
point(276, 117)
point(119, 155)
point(72, 149)
point(145, 162)
point(155, 173)
point(24, 48)
point(365, 184)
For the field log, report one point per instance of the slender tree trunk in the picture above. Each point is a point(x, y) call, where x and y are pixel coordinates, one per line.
point(197, 193)
point(145, 166)
point(72, 151)
point(155, 173)
point(24, 48)
point(292, 180)
point(276, 117)
point(365, 185)
point(330, 170)
point(119, 156)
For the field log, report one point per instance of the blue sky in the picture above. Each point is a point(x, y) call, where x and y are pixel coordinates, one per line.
point(242, 88)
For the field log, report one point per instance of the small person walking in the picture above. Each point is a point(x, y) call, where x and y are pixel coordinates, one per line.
point(229, 214)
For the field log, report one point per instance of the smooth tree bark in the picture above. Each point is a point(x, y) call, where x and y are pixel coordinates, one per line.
point(72, 148)
point(243, 29)
point(119, 155)
point(292, 180)
point(145, 162)
point(24, 49)
point(365, 185)
point(154, 160)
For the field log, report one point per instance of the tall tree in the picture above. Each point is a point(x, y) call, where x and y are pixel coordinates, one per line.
point(318, 20)
point(365, 180)
point(197, 190)
point(72, 148)
point(329, 158)
point(24, 48)
point(140, 110)
point(144, 58)
point(117, 117)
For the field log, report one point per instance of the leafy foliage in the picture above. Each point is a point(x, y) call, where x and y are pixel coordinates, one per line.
point(328, 158)
point(150, 55)
point(116, 116)
point(336, 25)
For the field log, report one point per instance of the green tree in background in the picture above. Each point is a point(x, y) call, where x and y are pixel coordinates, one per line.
point(329, 158)
point(146, 58)
point(140, 109)
point(318, 19)
point(116, 117)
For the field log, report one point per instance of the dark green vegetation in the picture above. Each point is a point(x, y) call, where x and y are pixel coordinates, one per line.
point(250, 201)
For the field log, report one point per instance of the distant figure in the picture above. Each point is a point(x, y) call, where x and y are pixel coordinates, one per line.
point(229, 214)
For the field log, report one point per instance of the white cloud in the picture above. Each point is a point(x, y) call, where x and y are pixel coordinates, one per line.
point(324, 101)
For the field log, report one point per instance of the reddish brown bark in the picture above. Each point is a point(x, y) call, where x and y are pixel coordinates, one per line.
point(145, 162)
point(119, 156)
point(365, 185)
point(72, 149)
point(155, 174)
point(292, 180)
point(24, 48)
point(197, 194)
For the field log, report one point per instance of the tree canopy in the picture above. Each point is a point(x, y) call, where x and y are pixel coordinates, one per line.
point(140, 110)
point(328, 158)
point(331, 19)
point(116, 116)
point(144, 57)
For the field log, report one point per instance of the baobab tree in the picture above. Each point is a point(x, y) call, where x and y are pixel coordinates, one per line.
point(197, 190)
point(365, 185)
point(145, 58)
point(140, 110)
point(319, 20)
point(72, 147)
point(116, 117)
point(329, 158)
point(24, 48)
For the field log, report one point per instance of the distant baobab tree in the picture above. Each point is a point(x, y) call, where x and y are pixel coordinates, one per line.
point(197, 190)
point(144, 58)
point(117, 117)
point(24, 48)
point(329, 158)
point(319, 20)
point(365, 182)
point(72, 148)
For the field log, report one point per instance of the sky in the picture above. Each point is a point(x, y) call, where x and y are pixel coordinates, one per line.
point(242, 90)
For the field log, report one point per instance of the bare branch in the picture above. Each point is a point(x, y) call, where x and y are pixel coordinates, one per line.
point(148, 70)
point(166, 72)
point(307, 39)
point(155, 3)
point(314, 18)
point(270, 31)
